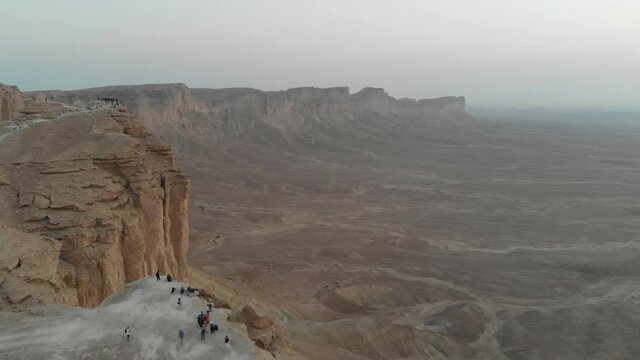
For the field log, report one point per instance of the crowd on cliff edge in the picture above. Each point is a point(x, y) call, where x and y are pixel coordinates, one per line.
point(204, 319)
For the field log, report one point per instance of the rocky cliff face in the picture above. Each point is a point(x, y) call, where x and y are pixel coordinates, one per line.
point(148, 102)
point(99, 198)
point(272, 118)
point(377, 100)
point(11, 100)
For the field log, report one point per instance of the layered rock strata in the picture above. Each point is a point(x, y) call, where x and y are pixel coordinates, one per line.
point(98, 197)
point(11, 101)
point(274, 118)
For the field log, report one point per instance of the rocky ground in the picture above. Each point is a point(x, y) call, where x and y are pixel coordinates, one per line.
point(61, 332)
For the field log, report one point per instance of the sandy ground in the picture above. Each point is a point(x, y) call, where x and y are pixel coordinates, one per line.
point(511, 241)
point(58, 332)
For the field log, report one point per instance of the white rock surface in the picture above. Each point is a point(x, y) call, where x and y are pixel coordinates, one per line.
point(62, 332)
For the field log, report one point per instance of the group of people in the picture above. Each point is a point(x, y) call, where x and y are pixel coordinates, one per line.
point(189, 291)
point(168, 277)
point(111, 101)
point(203, 319)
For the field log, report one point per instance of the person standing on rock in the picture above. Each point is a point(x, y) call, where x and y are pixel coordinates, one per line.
point(158, 275)
point(127, 332)
point(181, 335)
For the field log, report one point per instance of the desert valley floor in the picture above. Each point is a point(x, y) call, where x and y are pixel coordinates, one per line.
point(500, 243)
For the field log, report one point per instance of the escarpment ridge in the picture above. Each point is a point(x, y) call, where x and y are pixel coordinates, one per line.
point(274, 118)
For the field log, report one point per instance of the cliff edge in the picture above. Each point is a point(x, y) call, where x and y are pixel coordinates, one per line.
point(89, 201)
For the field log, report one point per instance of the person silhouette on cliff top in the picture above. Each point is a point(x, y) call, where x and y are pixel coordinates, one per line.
point(127, 332)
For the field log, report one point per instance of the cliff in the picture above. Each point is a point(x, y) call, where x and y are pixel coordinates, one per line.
point(149, 102)
point(11, 101)
point(191, 119)
point(378, 101)
point(88, 202)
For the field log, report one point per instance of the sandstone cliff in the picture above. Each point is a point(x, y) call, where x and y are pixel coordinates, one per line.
point(191, 119)
point(11, 100)
point(378, 101)
point(89, 201)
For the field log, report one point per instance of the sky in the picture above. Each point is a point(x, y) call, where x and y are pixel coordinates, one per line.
point(497, 53)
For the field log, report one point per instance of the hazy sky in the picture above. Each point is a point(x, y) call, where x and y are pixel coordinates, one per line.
point(573, 53)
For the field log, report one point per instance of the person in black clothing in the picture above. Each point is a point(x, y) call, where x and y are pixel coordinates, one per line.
point(226, 340)
point(202, 333)
point(173, 290)
point(158, 275)
point(168, 277)
point(211, 328)
point(181, 290)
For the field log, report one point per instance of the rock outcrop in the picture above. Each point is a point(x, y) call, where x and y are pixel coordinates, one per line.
point(378, 101)
point(11, 101)
point(29, 271)
point(264, 332)
point(97, 197)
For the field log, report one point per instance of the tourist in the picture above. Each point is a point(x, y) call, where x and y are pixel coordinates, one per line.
point(181, 335)
point(127, 332)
